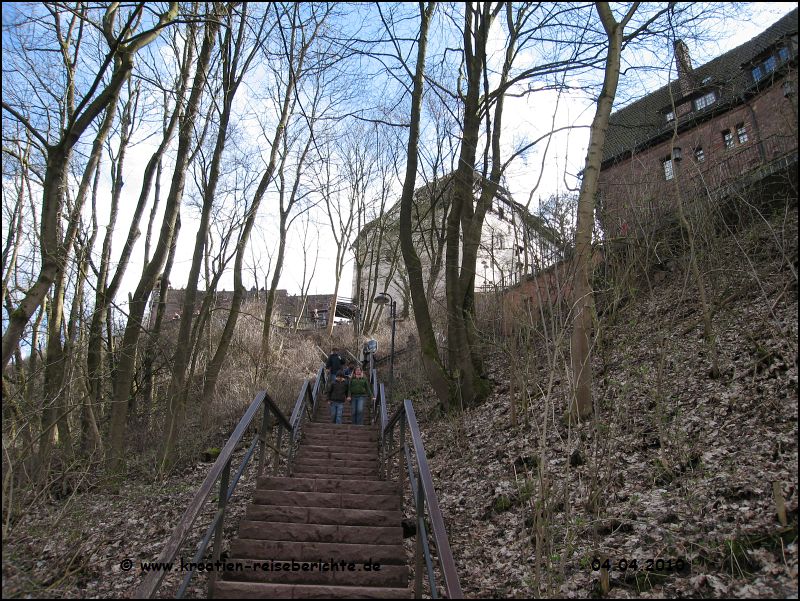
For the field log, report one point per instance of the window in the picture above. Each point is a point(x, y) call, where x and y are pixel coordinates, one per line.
point(741, 133)
point(500, 241)
point(500, 212)
point(670, 116)
point(668, 173)
point(770, 63)
point(704, 101)
point(727, 137)
point(699, 155)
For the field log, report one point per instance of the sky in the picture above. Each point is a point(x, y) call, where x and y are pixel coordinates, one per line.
point(526, 119)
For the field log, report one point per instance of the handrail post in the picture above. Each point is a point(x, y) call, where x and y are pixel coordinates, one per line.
point(390, 458)
point(418, 551)
point(221, 505)
point(381, 442)
point(279, 440)
point(263, 438)
point(401, 476)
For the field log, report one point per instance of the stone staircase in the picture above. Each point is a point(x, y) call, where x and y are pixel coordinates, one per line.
point(334, 512)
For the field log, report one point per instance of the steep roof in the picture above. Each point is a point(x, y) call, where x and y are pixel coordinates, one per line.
point(643, 122)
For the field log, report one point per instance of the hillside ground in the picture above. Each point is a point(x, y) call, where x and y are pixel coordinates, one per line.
point(677, 472)
point(674, 481)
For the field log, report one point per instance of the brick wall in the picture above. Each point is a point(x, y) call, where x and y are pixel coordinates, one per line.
point(636, 192)
point(547, 289)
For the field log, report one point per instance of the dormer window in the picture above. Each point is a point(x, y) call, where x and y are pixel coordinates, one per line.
point(704, 101)
point(768, 64)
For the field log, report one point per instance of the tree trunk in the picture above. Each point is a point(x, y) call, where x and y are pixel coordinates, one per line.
point(125, 367)
point(581, 357)
point(154, 343)
point(430, 353)
point(176, 394)
point(57, 162)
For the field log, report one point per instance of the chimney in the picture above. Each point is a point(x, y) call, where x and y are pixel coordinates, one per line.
point(683, 63)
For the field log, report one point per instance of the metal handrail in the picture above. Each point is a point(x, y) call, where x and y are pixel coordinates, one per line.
point(423, 493)
point(353, 357)
point(307, 399)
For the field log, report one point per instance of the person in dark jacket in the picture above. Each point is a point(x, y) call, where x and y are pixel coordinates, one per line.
point(357, 390)
point(337, 396)
point(334, 364)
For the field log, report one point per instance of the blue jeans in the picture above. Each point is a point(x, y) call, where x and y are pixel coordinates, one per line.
point(358, 409)
point(337, 410)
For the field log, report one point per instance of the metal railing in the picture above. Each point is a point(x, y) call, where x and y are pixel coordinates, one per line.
point(422, 490)
point(272, 416)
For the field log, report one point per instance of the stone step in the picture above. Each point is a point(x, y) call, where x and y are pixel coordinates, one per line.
point(360, 451)
point(341, 427)
point(303, 470)
point(325, 463)
point(321, 533)
point(338, 444)
point(323, 515)
point(314, 474)
point(247, 548)
point(324, 409)
point(255, 571)
point(258, 590)
point(347, 420)
point(325, 484)
point(332, 500)
point(345, 428)
point(340, 431)
point(323, 416)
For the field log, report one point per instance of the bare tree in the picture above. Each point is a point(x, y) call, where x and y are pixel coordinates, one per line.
point(480, 90)
point(293, 193)
point(296, 34)
point(583, 309)
point(341, 208)
point(430, 354)
point(376, 247)
point(305, 283)
point(75, 118)
point(237, 56)
point(125, 367)
point(582, 321)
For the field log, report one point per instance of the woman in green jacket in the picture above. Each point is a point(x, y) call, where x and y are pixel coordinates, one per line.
point(358, 389)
